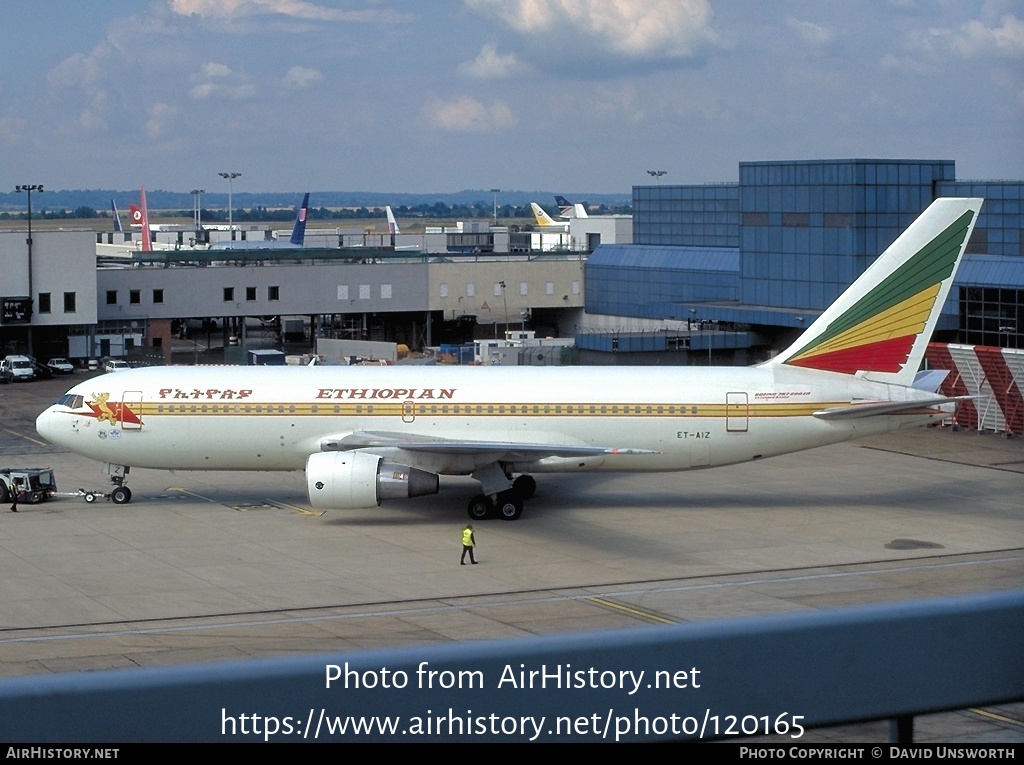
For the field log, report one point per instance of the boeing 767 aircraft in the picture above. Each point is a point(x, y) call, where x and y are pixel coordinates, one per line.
point(364, 435)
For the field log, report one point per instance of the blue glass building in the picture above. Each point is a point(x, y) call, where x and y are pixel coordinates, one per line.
point(800, 232)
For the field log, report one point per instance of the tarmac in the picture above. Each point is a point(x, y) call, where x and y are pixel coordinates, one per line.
point(204, 567)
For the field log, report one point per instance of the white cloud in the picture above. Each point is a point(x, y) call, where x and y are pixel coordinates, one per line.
point(160, 114)
point(651, 29)
point(302, 77)
point(213, 69)
point(974, 40)
point(220, 82)
point(76, 70)
point(491, 65)
point(235, 92)
point(299, 9)
point(810, 33)
point(467, 115)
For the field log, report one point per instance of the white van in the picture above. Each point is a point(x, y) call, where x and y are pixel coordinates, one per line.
point(17, 369)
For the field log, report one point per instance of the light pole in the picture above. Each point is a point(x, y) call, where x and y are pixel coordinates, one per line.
point(504, 302)
point(28, 188)
point(198, 193)
point(656, 174)
point(495, 192)
point(230, 177)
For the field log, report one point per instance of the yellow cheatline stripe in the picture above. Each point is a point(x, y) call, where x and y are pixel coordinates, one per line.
point(650, 616)
point(27, 438)
point(482, 409)
point(1000, 718)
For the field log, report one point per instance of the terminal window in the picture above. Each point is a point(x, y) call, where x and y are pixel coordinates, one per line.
point(70, 302)
point(111, 297)
point(158, 296)
point(229, 293)
point(273, 293)
point(134, 297)
point(44, 302)
point(250, 293)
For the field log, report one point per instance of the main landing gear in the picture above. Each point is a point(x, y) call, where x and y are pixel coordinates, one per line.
point(507, 504)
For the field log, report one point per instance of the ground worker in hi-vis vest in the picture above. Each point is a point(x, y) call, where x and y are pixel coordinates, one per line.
point(468, 543)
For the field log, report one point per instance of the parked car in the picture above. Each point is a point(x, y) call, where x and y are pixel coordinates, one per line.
point(60, 366)
point(114, 365)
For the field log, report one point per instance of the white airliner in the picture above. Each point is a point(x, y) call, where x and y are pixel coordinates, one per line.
point(365, 435)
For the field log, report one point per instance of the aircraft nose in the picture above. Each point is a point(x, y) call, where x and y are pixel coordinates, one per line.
point(44, 424)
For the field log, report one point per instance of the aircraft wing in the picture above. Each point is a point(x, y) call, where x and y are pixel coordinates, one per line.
point(873, 408)
point(512, 450)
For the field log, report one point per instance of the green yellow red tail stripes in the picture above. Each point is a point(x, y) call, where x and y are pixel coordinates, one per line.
point(876, 324)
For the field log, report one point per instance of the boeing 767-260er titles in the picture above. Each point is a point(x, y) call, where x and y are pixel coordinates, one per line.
point(365, 435)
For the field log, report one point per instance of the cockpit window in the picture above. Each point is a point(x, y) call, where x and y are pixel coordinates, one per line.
point(71, 401)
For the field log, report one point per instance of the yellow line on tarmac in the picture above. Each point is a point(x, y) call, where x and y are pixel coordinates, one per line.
point(193, 494)
point(649, 615)
point(999, 718)
point(296, 508)
point(27, 438)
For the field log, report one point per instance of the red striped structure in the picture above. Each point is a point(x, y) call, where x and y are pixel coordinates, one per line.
point(994, 375)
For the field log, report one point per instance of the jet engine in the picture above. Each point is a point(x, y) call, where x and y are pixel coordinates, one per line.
point(351, 480)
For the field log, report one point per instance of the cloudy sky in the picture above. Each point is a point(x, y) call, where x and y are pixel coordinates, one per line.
point(443, 95)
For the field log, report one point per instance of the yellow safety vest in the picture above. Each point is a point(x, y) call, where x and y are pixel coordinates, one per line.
point(467, 537)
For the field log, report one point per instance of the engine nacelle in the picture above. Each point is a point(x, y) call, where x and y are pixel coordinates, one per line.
point(351, 480)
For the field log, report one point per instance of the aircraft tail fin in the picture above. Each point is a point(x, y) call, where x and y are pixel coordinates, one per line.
point(567, 209)
point(117, 216)
point(880, 326)
point(542, 218)
point(392, 223)
point(299, 230)
point(140, 217)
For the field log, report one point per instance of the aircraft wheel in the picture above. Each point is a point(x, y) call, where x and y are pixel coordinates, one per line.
point(121, 495)
point(5, 496)
point(480, 508)
point(525, 486)
point(510, 506)
point(90, 497)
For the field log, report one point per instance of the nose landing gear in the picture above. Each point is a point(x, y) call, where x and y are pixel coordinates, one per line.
point(120, 494)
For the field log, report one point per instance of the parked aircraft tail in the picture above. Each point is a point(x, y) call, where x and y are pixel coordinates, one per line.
point(880, 326)
point(299, 230)
point(140, 217)
point(567, 209)
point(542, 218)
point(392, 223)
point(117, 216)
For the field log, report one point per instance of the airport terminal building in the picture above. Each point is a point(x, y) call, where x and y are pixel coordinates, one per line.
point(735, 270)
point(716, 273)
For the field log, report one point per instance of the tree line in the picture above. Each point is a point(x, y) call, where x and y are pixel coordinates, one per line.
point(260, 213)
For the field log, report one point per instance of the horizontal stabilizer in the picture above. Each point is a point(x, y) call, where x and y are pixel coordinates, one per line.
point(930, 379)
point(875, 408)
